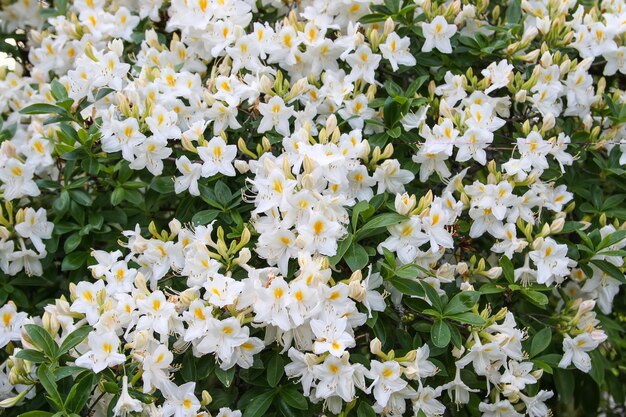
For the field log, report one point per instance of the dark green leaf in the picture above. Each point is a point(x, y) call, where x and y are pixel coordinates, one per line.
point(294, 398)
point(356, 257)
point(73, 339)
point(540, 341)
point(42, 340)
point(259, 404)
point(275, 370)
point(440, 334)
point(79, 394)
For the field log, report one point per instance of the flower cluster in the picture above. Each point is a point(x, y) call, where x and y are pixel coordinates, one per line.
point(16, 232)
point(399, 207)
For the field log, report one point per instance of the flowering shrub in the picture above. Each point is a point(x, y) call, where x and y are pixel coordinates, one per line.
point(248, 208)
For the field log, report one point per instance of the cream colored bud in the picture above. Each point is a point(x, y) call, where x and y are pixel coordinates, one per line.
point(531, 56)
point(265, 85)
point(331, 123)
point(520, 96)
point(585, 64)
point(462, 268)
point(244, 256)
point(586, 306)
point(175, 227)
point(458, 352)
point(548, 122)
point(188, 296)
point(466, 286)
point(241, 166)
point(140, 283)
point(116, 46)
point(529, 35)
point(206, 398)
point(356, 291)
point(405, 203)
point(8, 148)
point(376, 347)
point(546, 59)
point(565, 66)
point(537, 373)
point(445, 109)
point(50, 323)
point(389, 26)
point(72, 288)
point(557, 225)
point(493, 272)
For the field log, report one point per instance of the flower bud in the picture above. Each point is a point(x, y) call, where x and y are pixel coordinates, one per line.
point(206, 398)
point(376, 347)
point(405, 203)
point(187, 296)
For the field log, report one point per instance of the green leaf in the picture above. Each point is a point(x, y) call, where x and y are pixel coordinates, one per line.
point(342, 248)
point(440, 334)
point(433, 296)
point(365, 410)
point(205, 216)
point(535, 297)
point(36, 413)
point(49, 384)
point(407, 286)
point(42, 340)
point(259, 404)
point(564, 380)
point(384, 220)
point(79, 394)
point(225, 377)
point(31, 355)
point(467, 318)
point(72, 242)
point(62, 203)
point(117, 196)
point(540, 341)
point(610, 269)
point(356, 257)
point(294, 398)
point(461, 302)
point(514, 11)
point(44, 108)
point(81, 197)
point(58, 90)
point(73, 339)
point(507, 269)
point(73, 261)
point(275, 370)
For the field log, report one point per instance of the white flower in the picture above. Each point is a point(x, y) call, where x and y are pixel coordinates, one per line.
point(35, 227)
point(331, 337)
point(552, 262)
point(420, 367)
point(437, 34)
point(218, 158)
point(11, 323)
point(222, 337)
point(103, 352)
point(396, 51)
point(86, 301)
point(17, 180)
point(126, 405)
point(191, 174)
point(387, 380)
point(155, 368)
point(458, 391)
point(575, 351)
point(275, 115)
point(180, 401)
